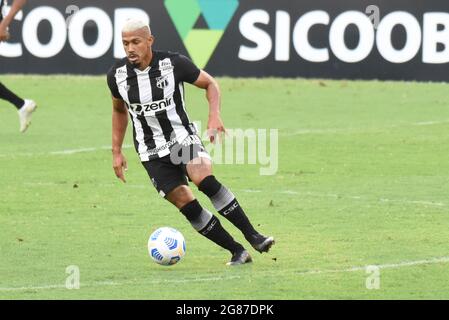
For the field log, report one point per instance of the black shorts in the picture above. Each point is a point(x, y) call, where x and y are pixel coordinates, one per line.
point(169, 172)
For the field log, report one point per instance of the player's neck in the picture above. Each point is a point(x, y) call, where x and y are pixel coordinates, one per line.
point(146, 61)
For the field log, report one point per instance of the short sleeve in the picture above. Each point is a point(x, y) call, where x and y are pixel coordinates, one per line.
point(113, 85)
point(185, 69)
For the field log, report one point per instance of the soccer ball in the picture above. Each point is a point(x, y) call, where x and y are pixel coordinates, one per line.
point(166, 246)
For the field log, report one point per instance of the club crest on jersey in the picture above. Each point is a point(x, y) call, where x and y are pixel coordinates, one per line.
point(125, 87)
point(162, 82)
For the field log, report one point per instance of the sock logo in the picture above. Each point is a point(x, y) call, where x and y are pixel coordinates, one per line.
point(212, 223)
point(231, 208)
point(201, 42)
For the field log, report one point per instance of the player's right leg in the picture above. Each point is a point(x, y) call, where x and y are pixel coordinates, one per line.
point(25, 107)
point(171, 184)
point(199, 171)
point(197, 165)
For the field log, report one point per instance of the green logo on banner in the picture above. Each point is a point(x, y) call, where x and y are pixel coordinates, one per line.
point(201, 42)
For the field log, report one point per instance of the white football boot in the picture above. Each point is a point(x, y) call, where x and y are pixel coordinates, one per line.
point(25, 114)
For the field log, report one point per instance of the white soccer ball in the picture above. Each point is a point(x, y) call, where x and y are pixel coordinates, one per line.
point(166, 246)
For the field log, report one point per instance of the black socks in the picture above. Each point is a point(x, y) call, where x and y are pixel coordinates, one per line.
point(227, 205)
point(209, 226)
point(8, 95)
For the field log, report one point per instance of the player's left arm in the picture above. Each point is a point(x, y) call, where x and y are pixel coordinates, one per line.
point(16, 6)
point(215, 124)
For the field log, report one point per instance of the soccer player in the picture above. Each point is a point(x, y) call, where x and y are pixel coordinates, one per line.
point(25, 107)
point(149, 86)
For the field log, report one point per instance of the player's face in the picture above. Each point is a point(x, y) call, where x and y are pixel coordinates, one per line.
point(137, 45)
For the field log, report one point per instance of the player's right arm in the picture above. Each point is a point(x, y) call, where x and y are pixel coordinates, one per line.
point(119, 125)
point(16, 6)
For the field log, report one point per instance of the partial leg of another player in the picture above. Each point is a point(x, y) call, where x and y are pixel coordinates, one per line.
point(206, 223)
point(24, 107)
point(224, 201)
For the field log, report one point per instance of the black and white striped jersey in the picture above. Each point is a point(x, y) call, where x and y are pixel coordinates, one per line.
point(155, 101)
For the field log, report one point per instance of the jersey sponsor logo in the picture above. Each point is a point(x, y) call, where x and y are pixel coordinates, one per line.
point(166, 69)
point(151, 108)
point(120, 75)
point(165, 65)
point(165, 146)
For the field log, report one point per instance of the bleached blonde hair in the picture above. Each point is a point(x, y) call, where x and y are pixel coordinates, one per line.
point(135, 24)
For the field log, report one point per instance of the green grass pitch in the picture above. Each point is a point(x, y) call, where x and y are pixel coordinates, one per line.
point(363, 180)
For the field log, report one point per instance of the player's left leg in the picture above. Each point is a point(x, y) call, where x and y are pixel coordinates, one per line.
point(24, 107)
point(11, 97)
point(224, 201)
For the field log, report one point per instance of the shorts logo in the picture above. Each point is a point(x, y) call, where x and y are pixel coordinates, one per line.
point(162, 82)
point(154, 182)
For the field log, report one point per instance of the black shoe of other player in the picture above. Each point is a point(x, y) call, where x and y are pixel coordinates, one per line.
point(240, 257)
point(261, 243)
